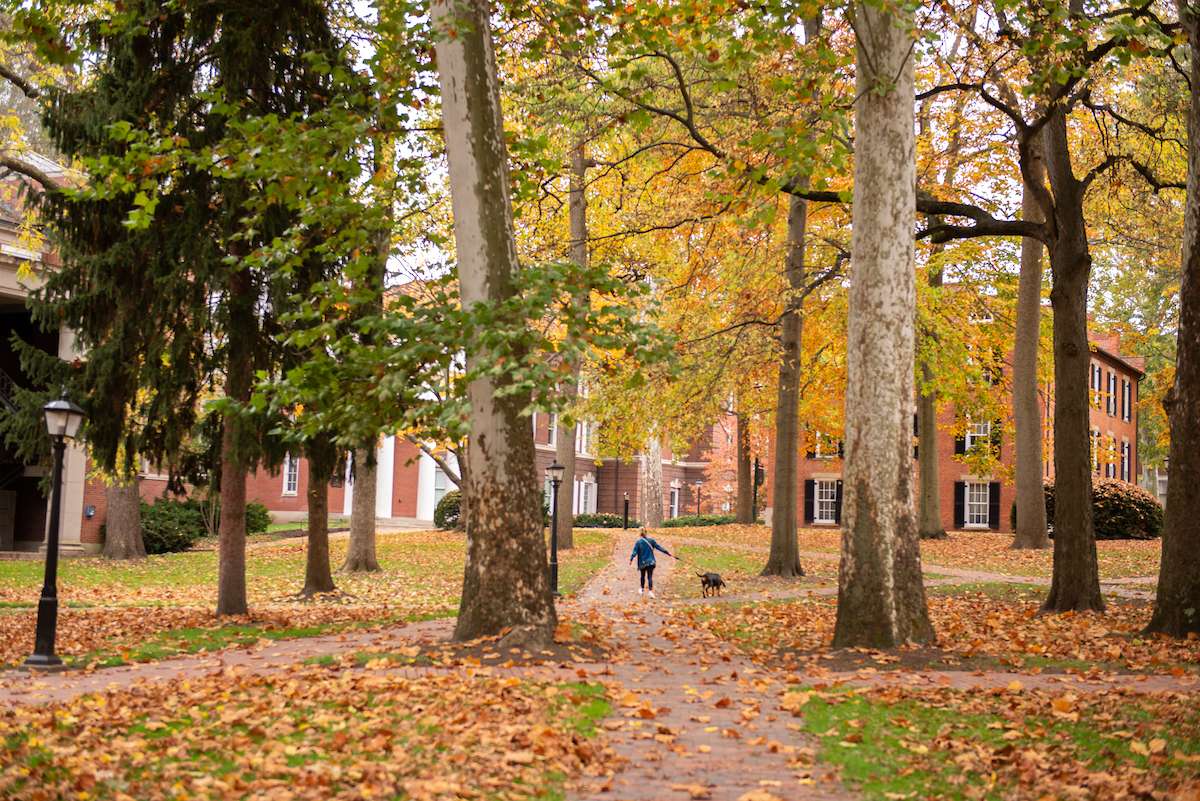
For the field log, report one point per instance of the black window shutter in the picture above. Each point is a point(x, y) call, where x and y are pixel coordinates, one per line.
point(809, 499)
point(960, 445)
point(960, 491)
point(841, 449)
point(837, 509)
point(994, 505)
point(916, 433)
point(996, 438)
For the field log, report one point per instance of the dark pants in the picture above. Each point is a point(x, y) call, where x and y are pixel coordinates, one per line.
point(647, 576)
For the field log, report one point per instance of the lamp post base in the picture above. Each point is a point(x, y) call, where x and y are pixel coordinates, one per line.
point(38, 663)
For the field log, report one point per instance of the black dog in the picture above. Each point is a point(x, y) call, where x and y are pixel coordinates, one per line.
point(710, 583)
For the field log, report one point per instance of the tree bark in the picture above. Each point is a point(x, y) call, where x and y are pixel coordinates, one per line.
point(651, 480)
point(745, 472)
point(231, 543)
point(881, 597)
point(565, 443)
point(1075, 582)
point(506, 587)
point(360, 553)
point(930, 507)
point(1177, 602)
point(318, 577)
point(784, 557)
point(123, 521)
point(1027, 411)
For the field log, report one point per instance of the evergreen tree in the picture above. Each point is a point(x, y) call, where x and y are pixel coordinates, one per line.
point(159, 277)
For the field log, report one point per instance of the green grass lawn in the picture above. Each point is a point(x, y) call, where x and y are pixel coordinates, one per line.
point(115, 612)
point(892, 744)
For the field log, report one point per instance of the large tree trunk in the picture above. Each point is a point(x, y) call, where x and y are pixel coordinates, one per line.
point(1027, 412)
point(881, 597)
point(565, 443)
point(1075, 583)
point(360, 553)
point(1177, 603)
point(123, 521)
point(506, 583)
point(745, 472)
point(650, 493)
point(930, 506)
point(784, 557)
point(318, 577)
point(231, 543)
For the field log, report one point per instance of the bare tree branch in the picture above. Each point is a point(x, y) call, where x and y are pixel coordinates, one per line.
point(27, 88)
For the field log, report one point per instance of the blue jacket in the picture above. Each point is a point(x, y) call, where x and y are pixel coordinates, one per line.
point(644, 550)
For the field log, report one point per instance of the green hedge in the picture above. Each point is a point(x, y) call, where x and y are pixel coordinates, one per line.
point(170, 526)
point(1120, 511)
point(603, 521)
point(448, 513)
point(699, 520)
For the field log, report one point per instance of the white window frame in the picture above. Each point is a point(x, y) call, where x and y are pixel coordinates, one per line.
point(583, 438)
point(1124, 460)
point(439, 492)
point(291, 475)
point(552, 429)
point(973, 517)
point(976, 432)
point(674, 504)
point(1096, 450)
point(825, 501)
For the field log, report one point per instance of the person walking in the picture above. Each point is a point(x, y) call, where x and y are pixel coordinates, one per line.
point(643, 551)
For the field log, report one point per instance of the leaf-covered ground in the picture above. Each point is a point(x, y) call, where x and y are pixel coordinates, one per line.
point(975, 629)
point(983, 551)
point(307, 733)
point(163, 605)
point(895, 742)
point(740, 569)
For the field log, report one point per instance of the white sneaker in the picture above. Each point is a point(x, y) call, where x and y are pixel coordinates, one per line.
point(651, 593)
point(641, 590)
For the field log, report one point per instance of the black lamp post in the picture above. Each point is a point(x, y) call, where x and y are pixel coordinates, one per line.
point(760, 475)
point(626, 510)
point(555, 473)
point(62, 422)
point(698, 483)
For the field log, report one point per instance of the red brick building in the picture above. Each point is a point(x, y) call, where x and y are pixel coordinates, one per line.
point(972, 501)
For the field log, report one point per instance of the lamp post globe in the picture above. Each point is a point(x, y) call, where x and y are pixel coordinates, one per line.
point(63, 420)
point(555, 473)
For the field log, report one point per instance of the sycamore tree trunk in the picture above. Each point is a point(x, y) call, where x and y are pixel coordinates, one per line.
point(1027, 412)
point(930, 506)
point(123, 521)
point(564, 444)
point(651, 480)
point(360, 553)
point(784, 557)
point(1177, 603)
point(881, 597)
point(745, 472)
point(231, 542)
point(506, 587)
point(322, 461)
point(1075, 583)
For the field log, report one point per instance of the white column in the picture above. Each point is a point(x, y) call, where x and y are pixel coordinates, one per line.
point(425, 480)
point(70, 507)
point(348, 488)
point(385, 476)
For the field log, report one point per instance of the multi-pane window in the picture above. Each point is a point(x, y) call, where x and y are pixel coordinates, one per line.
point(441, 485)
point(1125, 460)
point(977, 504)
point(291, 474)
point(1096, 450)
point(585, 434)
point(553, 430)
point(1126, 400)
point(825, 509)
point(674, 502)
point(978, 434)
point(1110, 398)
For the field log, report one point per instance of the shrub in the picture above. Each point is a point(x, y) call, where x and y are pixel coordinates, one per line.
point(603, 521)
point(699, 520)
point(448, 513)
point(1120, 511)
point(258, 519)
point(169, 526)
